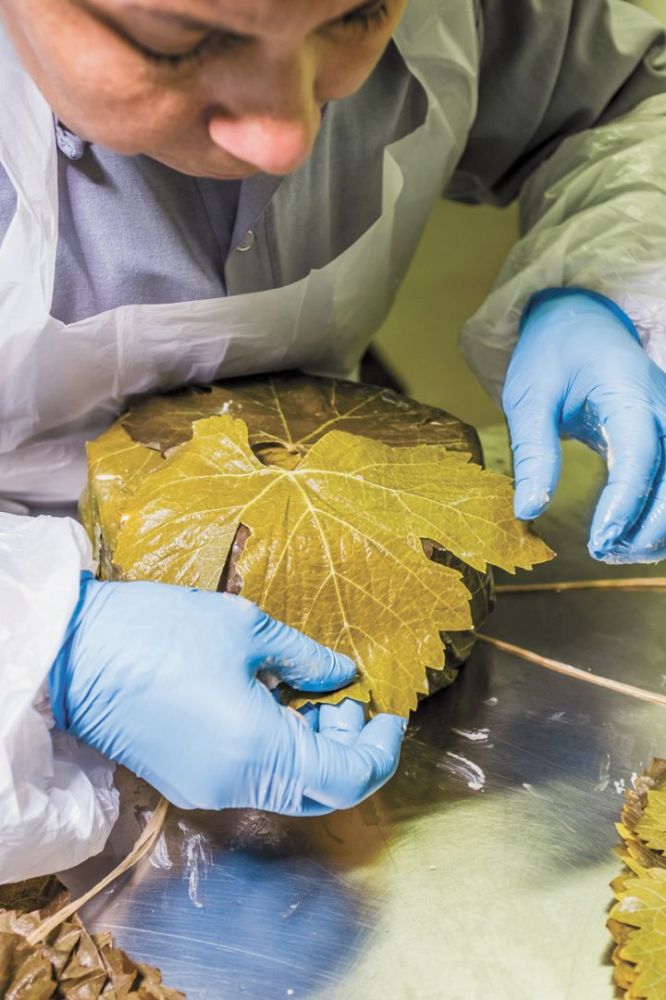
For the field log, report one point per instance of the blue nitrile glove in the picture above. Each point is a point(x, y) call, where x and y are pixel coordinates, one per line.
point(579, 371)
point(164, 680)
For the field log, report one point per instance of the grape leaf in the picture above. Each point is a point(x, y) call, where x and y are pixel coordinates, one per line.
point(288, 413)
point(117, 470)
point(71, 964)
point(334, 545)
point(638, 918)
point(651, 828)
point(45, 893)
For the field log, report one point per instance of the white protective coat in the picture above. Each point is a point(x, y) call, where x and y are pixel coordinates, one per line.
point(62, 385)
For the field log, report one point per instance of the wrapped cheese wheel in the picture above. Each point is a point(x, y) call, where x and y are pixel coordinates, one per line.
point(313, 498)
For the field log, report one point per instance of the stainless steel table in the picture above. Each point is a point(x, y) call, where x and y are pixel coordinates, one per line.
point(481, 872)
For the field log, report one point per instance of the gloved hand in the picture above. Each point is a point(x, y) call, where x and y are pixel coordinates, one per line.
point(164, 680)
point(579, 371)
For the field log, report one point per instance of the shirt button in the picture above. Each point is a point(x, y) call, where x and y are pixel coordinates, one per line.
point(246, 243)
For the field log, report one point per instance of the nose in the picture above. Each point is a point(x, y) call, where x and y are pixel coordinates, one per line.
point(272, 116)
point(272, 145)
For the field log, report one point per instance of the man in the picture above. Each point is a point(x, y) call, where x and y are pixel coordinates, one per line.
point(192, 189)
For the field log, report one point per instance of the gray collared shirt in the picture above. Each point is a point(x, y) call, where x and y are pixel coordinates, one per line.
point(133, 231)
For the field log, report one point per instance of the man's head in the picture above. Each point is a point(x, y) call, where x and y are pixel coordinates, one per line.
point(217, 88)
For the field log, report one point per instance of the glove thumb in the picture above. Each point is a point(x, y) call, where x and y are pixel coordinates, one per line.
point(300, 661)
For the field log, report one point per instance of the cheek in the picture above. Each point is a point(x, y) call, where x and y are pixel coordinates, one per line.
point(343, 69)
point(136, 122)
point(122, 110)
point(98, 87)
point(339, 78)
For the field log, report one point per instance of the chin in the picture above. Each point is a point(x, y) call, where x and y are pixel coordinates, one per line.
point(204, 168)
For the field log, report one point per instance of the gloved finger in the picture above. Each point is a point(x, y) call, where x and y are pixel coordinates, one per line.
point(647, 542)
point(297, 659)
point(310, 809)
point(625, 554)
point(534, 429)
point(634, 459)
point(310, 716)
point(340, 776)
point(342, 722)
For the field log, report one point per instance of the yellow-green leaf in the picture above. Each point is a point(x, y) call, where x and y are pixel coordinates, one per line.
point(117, 466)
point(335, 544)
point(638, 919)
point(288, 413)
point(651, 828)
point(642, 906)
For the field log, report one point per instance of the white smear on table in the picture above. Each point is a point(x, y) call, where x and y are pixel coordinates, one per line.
point(159, 857)
point(289, 912)
point(473, 735)
point(491, 702)
point(466, 769)
point(619, 786)
point(226, 407)
point(530, 788)
point(603, 780)
point(556, 716)
point(663, 680)
point(198, 858)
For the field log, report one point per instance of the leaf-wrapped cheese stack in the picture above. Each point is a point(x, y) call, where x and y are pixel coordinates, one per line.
point(350, 512)
point(638, 918)
point(70, 964)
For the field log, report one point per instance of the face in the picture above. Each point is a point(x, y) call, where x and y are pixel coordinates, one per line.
point(214, 88)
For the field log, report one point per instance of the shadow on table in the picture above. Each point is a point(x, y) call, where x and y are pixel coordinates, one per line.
point(266, 906)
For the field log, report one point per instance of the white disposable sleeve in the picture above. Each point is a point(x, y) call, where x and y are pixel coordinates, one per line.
point(57, 801)
point(594, 216)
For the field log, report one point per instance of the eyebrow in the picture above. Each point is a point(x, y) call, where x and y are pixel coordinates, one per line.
point(183, 20)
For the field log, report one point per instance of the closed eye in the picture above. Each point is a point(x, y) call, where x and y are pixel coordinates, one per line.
point(367, 16)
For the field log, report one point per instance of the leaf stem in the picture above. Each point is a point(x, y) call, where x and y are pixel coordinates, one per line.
point(582, 675)
point(629, 583)
point(144, 844)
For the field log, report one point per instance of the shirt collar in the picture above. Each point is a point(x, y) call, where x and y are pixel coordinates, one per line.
point(69, 144)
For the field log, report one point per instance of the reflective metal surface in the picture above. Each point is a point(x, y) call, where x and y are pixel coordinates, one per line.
point(480, 873)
